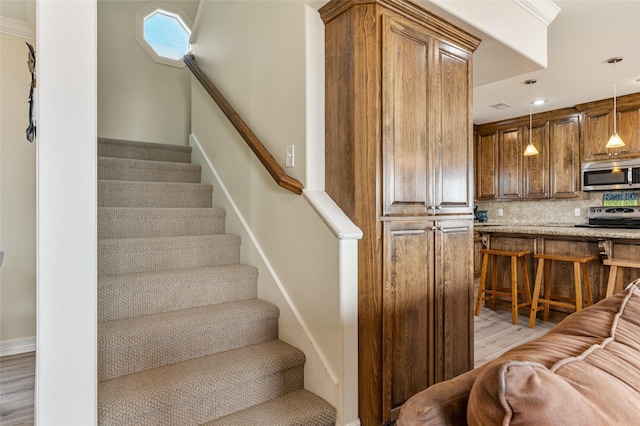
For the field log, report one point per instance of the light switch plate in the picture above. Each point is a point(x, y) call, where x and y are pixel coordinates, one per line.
point(289, 156)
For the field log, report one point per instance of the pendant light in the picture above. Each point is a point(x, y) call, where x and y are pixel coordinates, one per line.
point(531, 149)
point(614, 141)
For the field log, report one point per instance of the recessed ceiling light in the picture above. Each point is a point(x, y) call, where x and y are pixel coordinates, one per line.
point(501, 105)
point(539, 102)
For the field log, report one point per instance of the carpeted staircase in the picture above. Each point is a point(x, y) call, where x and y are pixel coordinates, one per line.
point(182, 337)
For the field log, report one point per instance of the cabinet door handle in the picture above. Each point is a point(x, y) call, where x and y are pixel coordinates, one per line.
point(411, 232)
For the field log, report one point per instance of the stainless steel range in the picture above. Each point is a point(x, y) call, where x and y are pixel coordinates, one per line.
point(613, 217)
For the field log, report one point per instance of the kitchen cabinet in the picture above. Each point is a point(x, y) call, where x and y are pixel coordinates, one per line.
point(428, 327)
point(553, 173)
point(425, 138)
point(486, 165)
point(510, 163)
point(536, 167)
point(398, 147)
point(598, 127)
point(477, 256)
point(564, 157)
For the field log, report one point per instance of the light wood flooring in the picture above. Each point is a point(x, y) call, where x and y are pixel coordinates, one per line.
point(16, 389)
point(494, 334)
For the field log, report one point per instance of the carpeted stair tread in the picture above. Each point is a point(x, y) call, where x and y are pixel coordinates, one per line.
point(117, 193)
point(119, 148)
point(182, 337)
point(130, 255)
point(135, 344)
point(300, 408)
point(202, 389)
point(135, 222)
point(110, 168)
point(145, 293)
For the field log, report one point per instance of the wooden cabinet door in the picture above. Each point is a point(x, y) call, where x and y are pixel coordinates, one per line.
point(536, 167)
point(408, 312)
point(597, 128)
point(454, 298)
point(564, 156)
point(510, 151)
point(477, 256)
point(406, 116)
point(486, 166)
point(629, 130)
point(452, 149)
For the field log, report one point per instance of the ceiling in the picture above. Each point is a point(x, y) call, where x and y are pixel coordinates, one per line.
point(580, 40)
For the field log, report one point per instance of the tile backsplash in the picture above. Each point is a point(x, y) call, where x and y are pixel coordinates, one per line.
point(541, 212)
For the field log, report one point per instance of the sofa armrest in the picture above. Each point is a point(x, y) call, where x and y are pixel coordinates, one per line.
point(444, 403)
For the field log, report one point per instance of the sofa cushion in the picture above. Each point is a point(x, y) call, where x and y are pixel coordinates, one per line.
point(444, 403)
point(586, 370)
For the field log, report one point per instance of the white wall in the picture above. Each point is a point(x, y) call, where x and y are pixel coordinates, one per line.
point(256, 53)
point(17, 202)
point(138, 99)
point(66, 358)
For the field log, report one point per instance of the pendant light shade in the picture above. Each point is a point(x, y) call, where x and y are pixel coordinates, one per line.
point(531, 149)
point(615, 141)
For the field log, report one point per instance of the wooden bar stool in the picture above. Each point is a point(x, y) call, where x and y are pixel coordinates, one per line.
point(615, 280)
point(580, 272)
point(512, 293)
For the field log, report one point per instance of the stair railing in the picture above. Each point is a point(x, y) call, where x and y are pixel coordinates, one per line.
point(258, 148)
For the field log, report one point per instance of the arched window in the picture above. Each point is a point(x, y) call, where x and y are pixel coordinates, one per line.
point(163, 31)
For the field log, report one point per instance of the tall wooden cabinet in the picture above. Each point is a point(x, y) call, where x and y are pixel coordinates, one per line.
point(399, 163)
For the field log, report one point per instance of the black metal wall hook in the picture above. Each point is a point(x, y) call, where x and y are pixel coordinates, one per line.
point(31, 62)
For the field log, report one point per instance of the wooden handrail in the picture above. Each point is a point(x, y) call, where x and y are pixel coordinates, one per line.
point(265, 157)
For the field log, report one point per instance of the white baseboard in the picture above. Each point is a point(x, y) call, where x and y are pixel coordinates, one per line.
point(17, 346)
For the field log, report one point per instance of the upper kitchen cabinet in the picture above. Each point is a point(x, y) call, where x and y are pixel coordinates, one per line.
point(510, 176)
point(486, 165)
point(504, 173)
point(536, 167)
point(598, 127)
point(564, 157)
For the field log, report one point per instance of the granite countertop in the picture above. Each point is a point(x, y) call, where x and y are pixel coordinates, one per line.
point(559, 229)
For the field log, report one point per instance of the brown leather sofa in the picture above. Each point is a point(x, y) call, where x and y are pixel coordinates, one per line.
point(585, 371)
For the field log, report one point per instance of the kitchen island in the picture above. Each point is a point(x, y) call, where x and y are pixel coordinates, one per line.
point(562, 239)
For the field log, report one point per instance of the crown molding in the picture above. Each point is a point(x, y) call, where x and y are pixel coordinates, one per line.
point(544, 10)
point(16, 28)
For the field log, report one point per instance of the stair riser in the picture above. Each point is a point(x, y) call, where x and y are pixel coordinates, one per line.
point(126, 257)
point(176, 348)
point(297, 408)
point(150, 223)
point(129, 297)
point(134, 194)
point(131, 170)
point(143, 151)
point(211, 402)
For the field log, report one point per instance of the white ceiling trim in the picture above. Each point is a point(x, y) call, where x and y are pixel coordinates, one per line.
point(544, 10)
point(16, 28)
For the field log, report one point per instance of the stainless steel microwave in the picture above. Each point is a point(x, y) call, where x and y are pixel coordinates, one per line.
point(608, 175)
